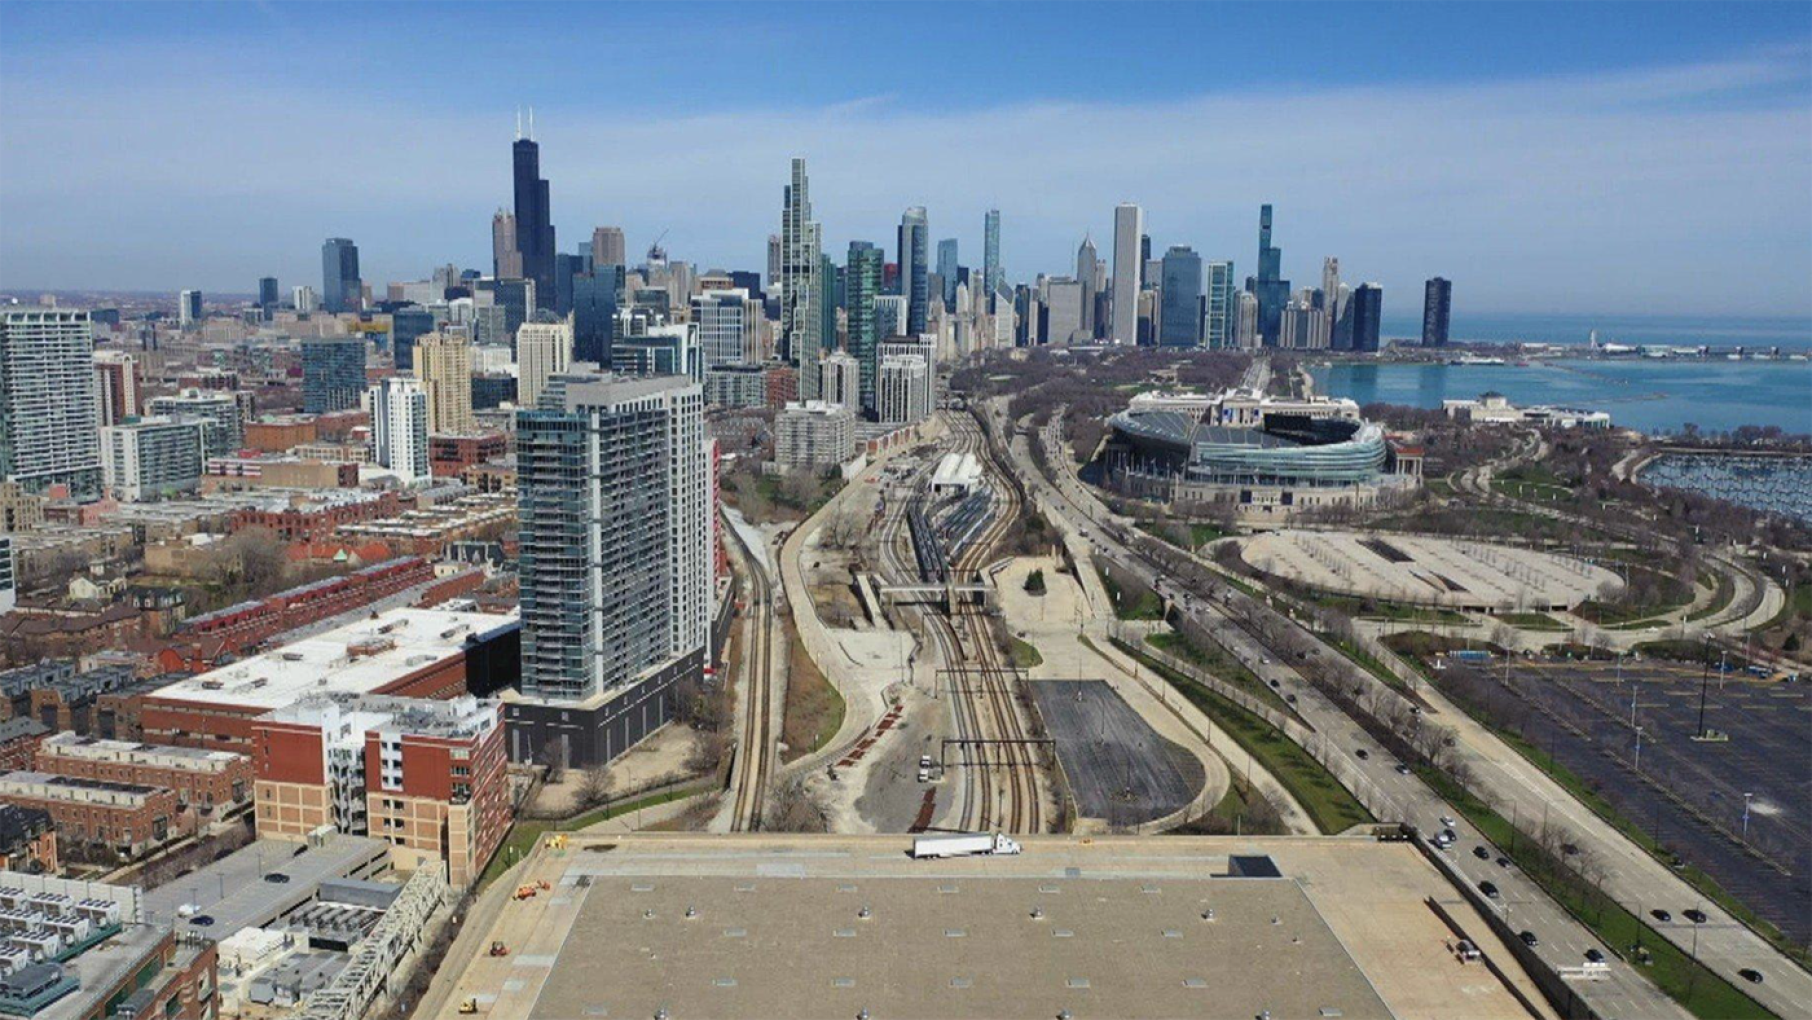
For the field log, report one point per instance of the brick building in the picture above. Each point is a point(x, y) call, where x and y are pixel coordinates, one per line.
point(236, 628)
point(312, 517)
point(428, 777)
point(126, 818)
point(202, 779)
point(417, 653)
point(28, 840)
point(449, 455)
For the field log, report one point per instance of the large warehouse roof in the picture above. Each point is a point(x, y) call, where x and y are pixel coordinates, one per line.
point(359, 658)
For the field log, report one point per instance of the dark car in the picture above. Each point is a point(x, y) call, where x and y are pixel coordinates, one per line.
point(1594, 955)
point(1488, 889)
point(1402, 769)
point(277, 878)
point(1751, 975)
point(1661, 915)
point(1481, 853)
point(1529, 939)
point(1695, 916)
point(1363, 754)
point(201, 920)
point(1503, 862)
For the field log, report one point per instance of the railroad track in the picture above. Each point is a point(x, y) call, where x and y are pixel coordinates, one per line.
point(755, 751)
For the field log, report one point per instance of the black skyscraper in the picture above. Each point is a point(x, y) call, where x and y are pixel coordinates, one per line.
point(340, 286)
point(267, 295)
point(1437, 306)
point(534, 224)
point(1366, 310)
point(1272, 291)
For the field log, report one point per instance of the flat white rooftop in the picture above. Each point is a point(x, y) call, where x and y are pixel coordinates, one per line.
point(358, 658)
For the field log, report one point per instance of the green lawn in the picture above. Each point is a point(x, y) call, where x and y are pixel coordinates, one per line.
point(1394, 611)
point(1532, 621)
point(1217, 661)
point(1146, 606)
point(1024, 655)
point(1328, 804)
point(1721, 598)
point(527, 831)
point(1702, 992)
point(1363, 659)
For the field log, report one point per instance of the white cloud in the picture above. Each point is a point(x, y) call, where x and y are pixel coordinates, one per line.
point(1680, 190)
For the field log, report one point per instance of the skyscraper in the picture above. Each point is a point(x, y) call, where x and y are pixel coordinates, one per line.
point(1218, 307)
point(305, 299)
point(399, 427)
point(1180, 297)
point(1129, 231)
point(947, 271)
point(267, 296)
point(48, 406)
point(1088, 267)
point(616, 535)
point(506, 257)
point(1367, 314)
point(862, 287)
point(407, 324)
point(992, 275)
point(534, 226)
point(725, 324)
point(801, 269)
point(340, 276)
point(443, 363)
point(117, 386)
point(188, 309)
point(915, 236)
point(608, 248)
point(1245, 321)
point(543, 350)
point(1270, 288)
point(333, 374)
point(1437, 307)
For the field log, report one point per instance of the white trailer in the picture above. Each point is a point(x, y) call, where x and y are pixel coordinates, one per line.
point(963, 846)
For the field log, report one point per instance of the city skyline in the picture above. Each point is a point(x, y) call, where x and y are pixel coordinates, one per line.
point(1719, 125)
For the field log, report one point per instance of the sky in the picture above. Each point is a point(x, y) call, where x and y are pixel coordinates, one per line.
point(1614, 158)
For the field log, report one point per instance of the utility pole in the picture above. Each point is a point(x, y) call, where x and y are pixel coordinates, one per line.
point(1704, 681)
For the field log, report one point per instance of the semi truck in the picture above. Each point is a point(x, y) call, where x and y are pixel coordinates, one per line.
point(963, 846)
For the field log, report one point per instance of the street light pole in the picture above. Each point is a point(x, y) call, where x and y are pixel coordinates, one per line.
point(1638, 749)
point(1747, 797)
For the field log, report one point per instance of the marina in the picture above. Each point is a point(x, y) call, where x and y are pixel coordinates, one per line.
point(1775, 485)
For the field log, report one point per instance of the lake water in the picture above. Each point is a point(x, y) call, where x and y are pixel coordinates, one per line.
point(1644, 394)
point(1787, 333)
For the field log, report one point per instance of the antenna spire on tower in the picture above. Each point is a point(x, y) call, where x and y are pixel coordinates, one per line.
point(531, 123)
point(519, 123)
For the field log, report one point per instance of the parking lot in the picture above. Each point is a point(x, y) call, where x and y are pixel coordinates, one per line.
point(1688, 793)
point(1119, 768)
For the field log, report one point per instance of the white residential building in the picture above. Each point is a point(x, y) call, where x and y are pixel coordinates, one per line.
point(399, 427)
point(543, 350)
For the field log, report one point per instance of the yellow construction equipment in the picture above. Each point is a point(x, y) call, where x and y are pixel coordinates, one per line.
point(469, 1004)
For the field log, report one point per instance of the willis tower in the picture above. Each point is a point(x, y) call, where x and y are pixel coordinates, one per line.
point(534, 226)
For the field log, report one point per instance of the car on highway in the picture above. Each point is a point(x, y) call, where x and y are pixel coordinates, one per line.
point(1529, 938)
point(1362, 753)
point(1488, 888)
point(1696, 916)
point(1402, 769)
point(1503, 862)
point(1661, 915)
point(1751, 975)
point(1446, 822)
point(1594, 956)
point(201, 920)
point(1481, 853)
point(277, 878)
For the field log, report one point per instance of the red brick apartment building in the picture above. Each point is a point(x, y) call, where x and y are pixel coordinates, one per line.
point(125, 817)
point(428, 777)
point(448, 455)
point(201, 779)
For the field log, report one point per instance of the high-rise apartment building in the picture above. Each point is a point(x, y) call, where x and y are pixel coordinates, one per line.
point(1180, 298)
point(890, 316)
point(188, 309)
point(223, 431)
point(116, 386)
point(154, 457)
point(543, 350)
point(914, 239)
point(814, 435)
point(340, 286)
point(399, 427)
point(534, 223)
point(608, 247)
point(801, 272)
point(333, 374)
point(840, 381)
point(48, 405)
point(1366, 315)
point(267, 296)
point(726, 321)
point(443, 363)
point(861, 289)
point(1129, 229)
point(1437, 309)
point(1271, 289)
point(993, 277)
point(614, 503)
point(1219, 307)
point(407, 325)
point(909, 393)
point(304, 299)
point(1304, 324)
point(947, 271)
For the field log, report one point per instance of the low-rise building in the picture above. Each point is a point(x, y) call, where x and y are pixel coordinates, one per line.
point(126, 818)
point(427, 777)
point(28, 840)
point(202, 779)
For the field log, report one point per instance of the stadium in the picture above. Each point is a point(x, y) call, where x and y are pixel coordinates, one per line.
point(1290, 459)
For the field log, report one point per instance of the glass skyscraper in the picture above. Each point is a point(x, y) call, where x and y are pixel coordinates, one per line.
point(1367, 313)
point(862, 285)
point(1180, 295)
point(1271, 289)
point(595, 297)
point(913, 242)
point(1218, 307)
point(340, 275)
point(534, 225)
point(1437, 309)
point(406, 325)
point(333, 374)
point(992, 276)
point(49, 401)
point(947, 271)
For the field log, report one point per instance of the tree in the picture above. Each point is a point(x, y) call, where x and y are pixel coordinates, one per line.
point(1035, 583)
point(592, 787)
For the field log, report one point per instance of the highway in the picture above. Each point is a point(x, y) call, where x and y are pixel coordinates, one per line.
point(1620, 991)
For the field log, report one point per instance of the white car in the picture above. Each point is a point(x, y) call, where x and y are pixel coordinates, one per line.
point(1446, 822)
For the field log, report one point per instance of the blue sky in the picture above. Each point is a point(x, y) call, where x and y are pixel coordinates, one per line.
point(1570, 158)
